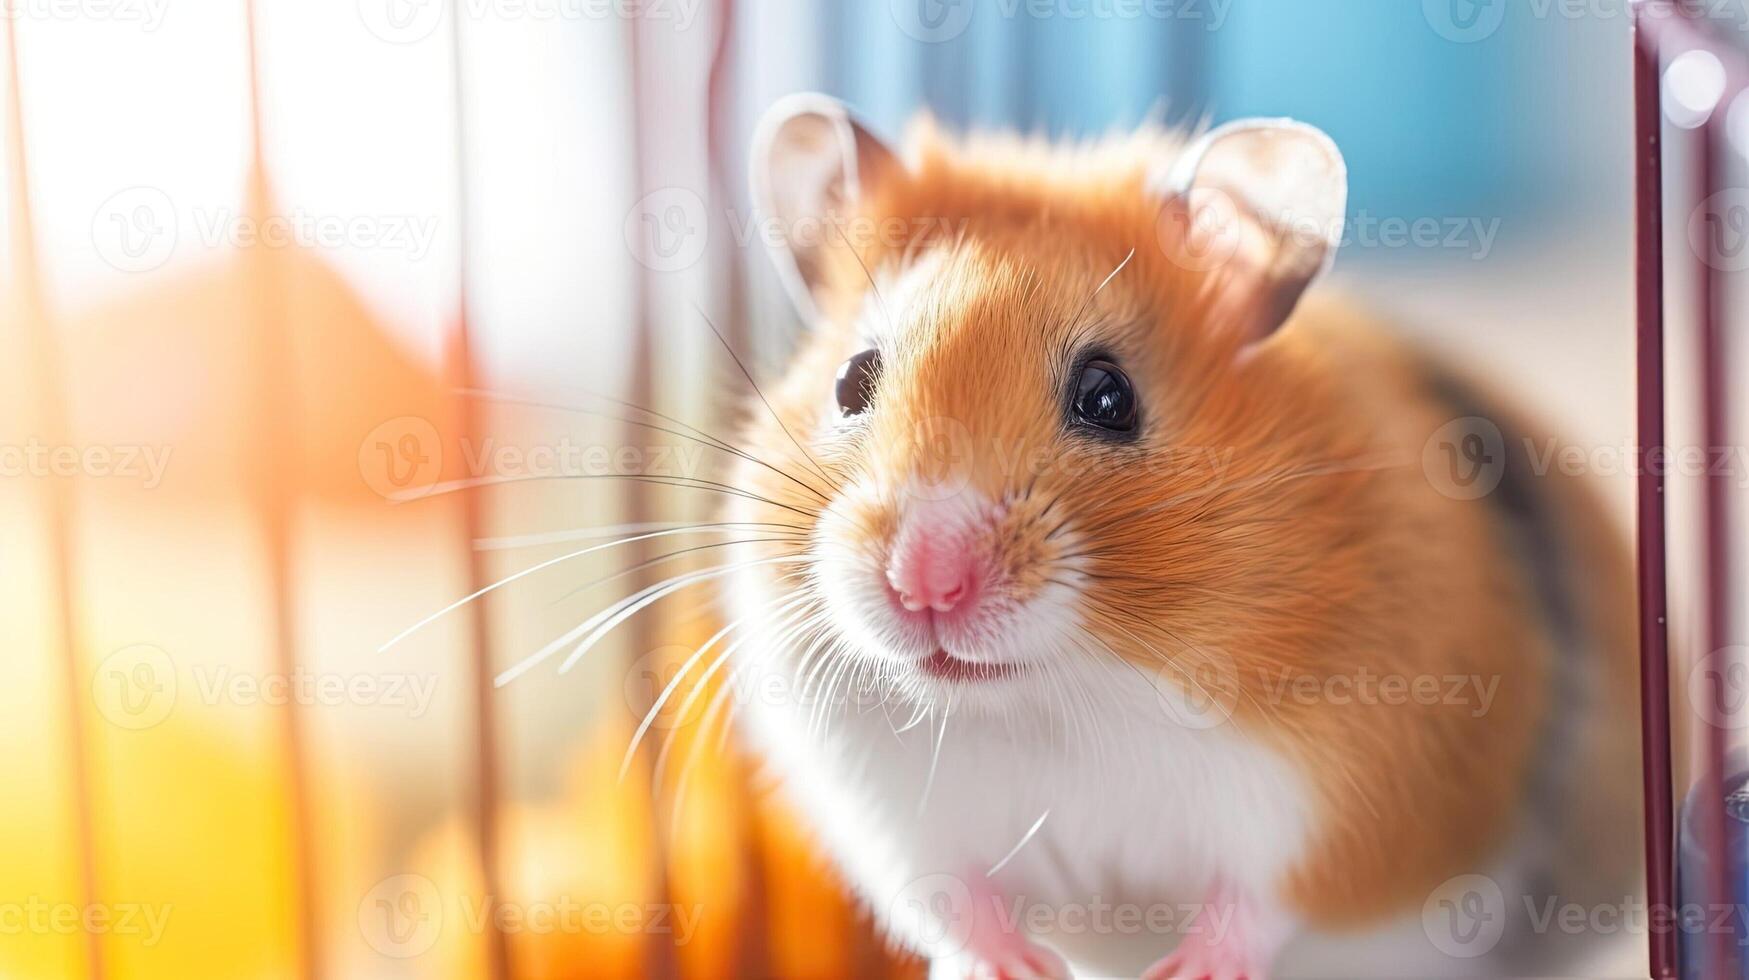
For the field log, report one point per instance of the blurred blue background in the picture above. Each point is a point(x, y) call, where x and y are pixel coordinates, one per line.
point(1443, 107)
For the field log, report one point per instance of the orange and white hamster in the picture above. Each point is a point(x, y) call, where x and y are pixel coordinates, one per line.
point(1132, 619)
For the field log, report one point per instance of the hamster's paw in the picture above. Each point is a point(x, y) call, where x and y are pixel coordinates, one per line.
point(1014, 959)
point(1200, 961)
point(1231, 938)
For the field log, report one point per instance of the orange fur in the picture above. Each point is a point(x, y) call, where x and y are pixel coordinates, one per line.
point(1273, 517)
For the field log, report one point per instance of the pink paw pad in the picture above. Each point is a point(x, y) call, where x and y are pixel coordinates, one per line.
point(1202, 962)
point(997, 948)
point(1228, 940)
point(1016, 960)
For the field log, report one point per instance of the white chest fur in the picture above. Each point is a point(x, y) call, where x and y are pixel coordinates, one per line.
point(1140, 815)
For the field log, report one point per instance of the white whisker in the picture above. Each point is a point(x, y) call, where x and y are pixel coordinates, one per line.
point(550, 562)
point(519, 669)
point(596, 533)
point(1036, 824)
point(1107, 280)
point(806, 622)
point(627, 608)
point(922, 712)
point(935, 758)
point(686, 668)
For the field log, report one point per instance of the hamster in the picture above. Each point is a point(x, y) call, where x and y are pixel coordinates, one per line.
point(1134, 620)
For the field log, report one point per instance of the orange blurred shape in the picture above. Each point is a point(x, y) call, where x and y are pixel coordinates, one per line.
point(195, 342)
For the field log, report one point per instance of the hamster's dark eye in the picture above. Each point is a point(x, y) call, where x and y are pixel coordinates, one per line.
point(856, 381)
point(1104, 397)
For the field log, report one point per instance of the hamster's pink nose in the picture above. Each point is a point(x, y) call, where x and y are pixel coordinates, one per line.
point(932, 571)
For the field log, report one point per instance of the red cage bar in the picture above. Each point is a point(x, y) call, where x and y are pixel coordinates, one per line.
point(1663, 33)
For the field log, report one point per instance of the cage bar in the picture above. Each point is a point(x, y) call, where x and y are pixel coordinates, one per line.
point(1649, 503)
point(277, 500)
point(1664, 31)
point(52, 412)
point(486, 777)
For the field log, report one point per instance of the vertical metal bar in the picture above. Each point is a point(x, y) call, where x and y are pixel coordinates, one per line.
point(52, 417)
point(1649, 366)
point(753, 954)
point(661, 959)
point(277, 492)
point(486, 776)
point(717, 114)
point(1715, 554)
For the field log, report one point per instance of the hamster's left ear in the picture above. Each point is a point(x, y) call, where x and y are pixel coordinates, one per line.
point(814, 165)
point(1260, 201)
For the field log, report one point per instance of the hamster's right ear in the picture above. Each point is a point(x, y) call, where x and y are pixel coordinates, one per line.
point(813, 164)
point(1261, 201)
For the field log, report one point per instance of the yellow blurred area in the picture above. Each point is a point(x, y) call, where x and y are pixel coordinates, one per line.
point(180, 706)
